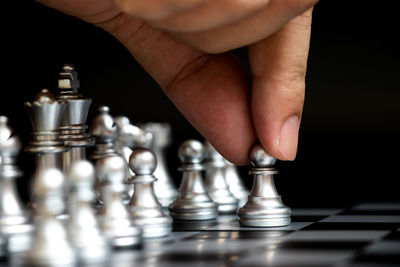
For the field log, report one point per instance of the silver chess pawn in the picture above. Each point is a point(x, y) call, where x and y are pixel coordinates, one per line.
point(192, 201)
point(51, 244)
point(115, 219)
point(164, 188)
point(264, 207)
point(15, 219)
point(86, 236)
point(46, 113)
point(235, 183)
point(73, 128)
point(144, 207)
point(215, 181)
point(130, 137)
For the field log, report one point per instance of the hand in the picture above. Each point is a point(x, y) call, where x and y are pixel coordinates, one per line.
point(183, 45)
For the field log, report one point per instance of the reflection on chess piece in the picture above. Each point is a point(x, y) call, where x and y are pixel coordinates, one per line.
point(264, 207)
point(86, 237)
point(164, 188)
point(51, 244)
point(192, 201)
point(73, 128)
point(46, 113)
point(144, 207)
point(15, 219)
point(235, 183)
point(115, 220)
point(216, 182)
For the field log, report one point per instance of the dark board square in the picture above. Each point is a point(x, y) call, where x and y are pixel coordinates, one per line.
point(369, 212)
point(379, 258)
point(323, 245)
point(351, 226)
point(192, 225)
point(307, 218)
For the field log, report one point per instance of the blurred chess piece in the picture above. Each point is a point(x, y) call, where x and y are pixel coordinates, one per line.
point(86, 236)
point(144, 207)
point(216, 182)
point(235, 183)
point(51, 243)
point(130, 137)
point(15, 219)
point(115, 219)
point(105, 132)
point(46, 113)
point(192, 201)
point(73, 128)
point(164, 188)
point(264, 207)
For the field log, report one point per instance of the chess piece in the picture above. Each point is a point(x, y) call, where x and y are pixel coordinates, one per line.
point(73, 128)
point(105, 132)
point(86, 236)
point(216, 182)
point(192, 201)
point(264, 207)
point(51, 244)
point(46, 113)
point(235, 184)
point(144, 207)
point(129, 137)
point(115, 219)
point(15, 219)
point(164, 188)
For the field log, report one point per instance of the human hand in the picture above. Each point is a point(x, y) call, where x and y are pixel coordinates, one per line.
point(176, 42)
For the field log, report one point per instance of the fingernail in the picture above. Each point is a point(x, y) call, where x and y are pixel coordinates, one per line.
point(289, 137)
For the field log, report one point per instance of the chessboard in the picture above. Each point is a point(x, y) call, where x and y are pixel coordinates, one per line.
point(366, 234)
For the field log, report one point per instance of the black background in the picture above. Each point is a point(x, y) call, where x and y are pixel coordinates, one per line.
point(349, 138)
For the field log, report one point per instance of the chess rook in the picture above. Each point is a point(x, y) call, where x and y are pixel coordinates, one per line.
point(215, 181)
point(264, 207)
point(192, 201)
point(115, 219)
point(73, 128)
point(164, 188)
point(86, 236)
point(51, 243)
point(144, 207)
point(15, 219)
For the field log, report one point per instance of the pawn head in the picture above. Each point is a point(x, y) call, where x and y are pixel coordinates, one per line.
point(260, 158)
point(142, 161)
point(81, 173)
point(191, 151)
point(49, 182)
point(111, 169)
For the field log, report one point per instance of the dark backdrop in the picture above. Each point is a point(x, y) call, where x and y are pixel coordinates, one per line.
point(349, 138)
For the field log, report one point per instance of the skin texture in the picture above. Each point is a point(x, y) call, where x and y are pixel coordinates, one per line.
point(184, 46)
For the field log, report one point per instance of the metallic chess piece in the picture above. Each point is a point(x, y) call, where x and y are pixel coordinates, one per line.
point(86, 236)
point(115, 219)
point(129, 137)
point(144, 207)
point(46, 113)
point(51, 240)
point(15, 219)
point(215, 181)
point(264, 207)
point(164, 188)
point(105, 132)
point(193, 201)
point(235, 184)
point(73, 128)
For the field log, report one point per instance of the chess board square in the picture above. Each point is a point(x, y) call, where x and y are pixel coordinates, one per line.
point(370, 212)
point(293, 257)
point(393, 236)
point(379, 259)
point(307, 218)
point(322, 245)
point(363, 219)
point(314, 212)
point(335, 235)
point(394, 206)
point(193, 225)
point(385, 247)
point(350, 226)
